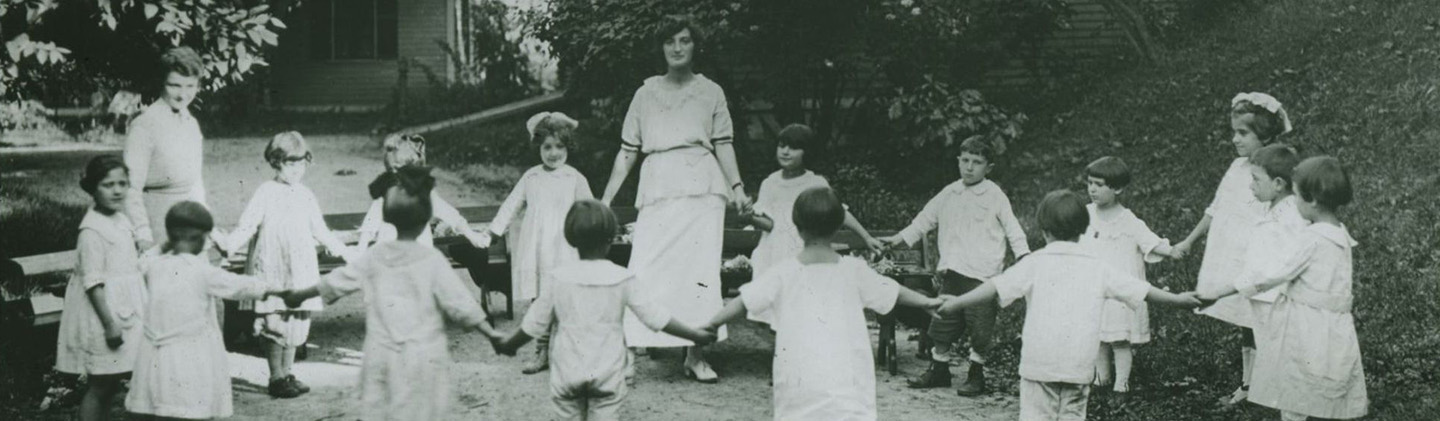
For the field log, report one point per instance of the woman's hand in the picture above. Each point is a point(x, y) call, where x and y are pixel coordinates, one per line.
point(114, 337)
point(739, 199)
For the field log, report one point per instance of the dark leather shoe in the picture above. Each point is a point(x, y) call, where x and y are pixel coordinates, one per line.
point(974, 381)
point(932, 378)
point(300, 386)
point(283, 388)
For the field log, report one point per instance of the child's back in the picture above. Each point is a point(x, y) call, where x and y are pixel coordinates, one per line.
point(823, 363)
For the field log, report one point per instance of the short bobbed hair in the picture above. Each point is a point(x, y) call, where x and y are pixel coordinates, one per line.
point(1062, 214)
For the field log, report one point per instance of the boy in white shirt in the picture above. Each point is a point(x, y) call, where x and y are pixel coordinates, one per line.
point(974, 223)
point(1064, 287)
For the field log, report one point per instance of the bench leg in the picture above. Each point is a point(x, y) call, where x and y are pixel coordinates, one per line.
point(887, 344)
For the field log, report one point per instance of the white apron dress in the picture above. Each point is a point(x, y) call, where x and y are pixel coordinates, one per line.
point(286, 221)
point(107, 258)
point(545, 197)
point(777, 201)
point(1233, 214)
point(1127, 244)
point(681, 198)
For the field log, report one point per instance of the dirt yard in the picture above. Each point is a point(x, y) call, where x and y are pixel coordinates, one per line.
point(486, 386)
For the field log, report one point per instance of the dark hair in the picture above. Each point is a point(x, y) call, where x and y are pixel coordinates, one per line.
point(188, 215)
point(11, 271)
point(1323, 180)
point(559, 128)
point(183, 61)
point(797, 136)
point(590, 225)
point(1114, 171)
point(673, 26)
point(417, 183)
point(98, 168)
point(979, 145)
point(1062, 214)
point(818, 212)
point(1278, 160)
point(381, 184)
point(1266, 125)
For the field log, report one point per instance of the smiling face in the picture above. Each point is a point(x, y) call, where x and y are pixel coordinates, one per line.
point(973, 168)
point(1245, 140)
point(679, 50)
point(109, 194)
point(1265, 187)
point(1100, 192)
point(790, 158)
point(292, 169)
point(180, 90)
point(553, 152)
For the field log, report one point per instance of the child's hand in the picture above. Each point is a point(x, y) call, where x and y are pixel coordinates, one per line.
point(1192, 299)
point(707, 337)
point(291, 299)
point(891, 241)
point(479, 240)
point(933, 306)
point(1179, 251)
point(874, 244)
point(114, 337)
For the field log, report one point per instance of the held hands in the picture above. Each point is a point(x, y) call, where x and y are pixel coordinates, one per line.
point(480, 240)
point(710, 334)
point(498, 344)
point(891, 241)
point(114, 337)
point(874, 244)
point(1179, 251)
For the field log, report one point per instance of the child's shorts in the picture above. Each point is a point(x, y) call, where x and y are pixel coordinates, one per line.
point(1053, 400)
point(286, 328)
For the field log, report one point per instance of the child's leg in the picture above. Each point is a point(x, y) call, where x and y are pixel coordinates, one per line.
point(1102, 365)
point(1124, 360)
point(979, 325)
point(1073, 400)
point(569, 409)
point(1247, 355)
point(1037, 401)
point(942, 333)
point(275, 357)
point(100, 392)
point(604, 408)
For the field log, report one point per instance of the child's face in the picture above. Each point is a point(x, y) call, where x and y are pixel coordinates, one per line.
point(110, 193)
point(679, 50)
point(973, 168)
point(1100, 193)
point(553, 152)
point(180, 90)
point(292, 169)
point(188, 240)
point(790, 158)
point(1265, 187)
point(1245, 140)
point(401, 151)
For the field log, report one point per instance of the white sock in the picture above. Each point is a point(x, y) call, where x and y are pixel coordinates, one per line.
point(1102, 364)
point(976, 358)
point(1247, 363)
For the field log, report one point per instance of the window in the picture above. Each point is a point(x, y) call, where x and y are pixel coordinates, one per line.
point(353, 29)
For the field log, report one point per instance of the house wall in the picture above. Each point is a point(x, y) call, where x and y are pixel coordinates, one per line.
point(297, 81)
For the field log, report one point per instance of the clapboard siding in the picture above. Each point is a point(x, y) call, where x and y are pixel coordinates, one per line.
point(300, 81)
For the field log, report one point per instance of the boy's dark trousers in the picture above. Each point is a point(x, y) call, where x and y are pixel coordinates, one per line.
point(977, 324)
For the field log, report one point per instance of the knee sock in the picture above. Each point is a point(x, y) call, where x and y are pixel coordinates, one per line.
point(1102, 364)
point(1124, 357)
point(1247, 361)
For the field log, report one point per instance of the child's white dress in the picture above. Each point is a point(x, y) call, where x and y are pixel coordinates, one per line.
point(1127, 244)
point(375, 225)
point(107, 258)
point(824, 368)
point(777, 201)
point(180, 367)
point(1311, 361)
point(586, 300)
point(1233, 214)
point(410, 290)
point(289, 223)
point(1275, 237)
point(545, 196)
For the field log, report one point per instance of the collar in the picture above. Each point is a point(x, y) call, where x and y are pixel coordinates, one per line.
point(1334, 233)
point(113, 228)
point(979, 189)
point(1063, 248)
point(162, 108)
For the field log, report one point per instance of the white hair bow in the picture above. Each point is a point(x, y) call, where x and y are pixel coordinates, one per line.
point(1269, 103)
point(536, 119)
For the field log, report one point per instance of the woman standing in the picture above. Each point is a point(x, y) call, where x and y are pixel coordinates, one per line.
point(682, 122)
point(163, 149)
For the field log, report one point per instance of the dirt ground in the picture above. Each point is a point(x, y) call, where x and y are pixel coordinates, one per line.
point(486, 386)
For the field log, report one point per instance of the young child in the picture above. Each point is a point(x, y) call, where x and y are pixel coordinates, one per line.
point(1273, 237)
point(1121, 239)
point(410, 290)
point(402, 150)
point(286, 218)
point(1065, 287)
point(771, 212)
point(545, 193)
point(815, 301)
point(180, 364)
point(101, 323)
point(975, 223)
point(1257, 120)
point(1310, 363)
point(583, 303)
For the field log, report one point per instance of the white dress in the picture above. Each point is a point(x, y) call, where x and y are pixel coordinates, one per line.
point(681, 196)
point(1127, 244)
point(165, 154)
point(777, 201)
point(824, 368)
point(1275, 237)
point(107, 258)
point(545, 197)
point(289, 224)
point(1310, 363)
point(1233, 214)
point(410, 291)
point(181, 364)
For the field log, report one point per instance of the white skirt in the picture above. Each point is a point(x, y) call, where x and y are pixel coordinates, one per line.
point(676, 255)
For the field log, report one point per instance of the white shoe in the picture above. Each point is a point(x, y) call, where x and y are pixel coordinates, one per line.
point(1237, 397)
point(700, 371)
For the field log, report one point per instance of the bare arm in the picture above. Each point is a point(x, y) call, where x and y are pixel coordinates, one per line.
point(701, 337)
point(732, 311)
point(725, 153)
point(107, 321)
point(854, 226)
point(762, 222)
point(1183, 248)
point(624, 161)
point(1160, 296)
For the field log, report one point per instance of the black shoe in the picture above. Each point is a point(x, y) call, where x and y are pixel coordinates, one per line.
point(302, 387)
point(303, 352)
point(974, 381)
point(932, 378)
point(283, 388)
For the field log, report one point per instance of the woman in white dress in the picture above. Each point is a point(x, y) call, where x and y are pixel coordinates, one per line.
point(681, 121)
point(163, 149)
